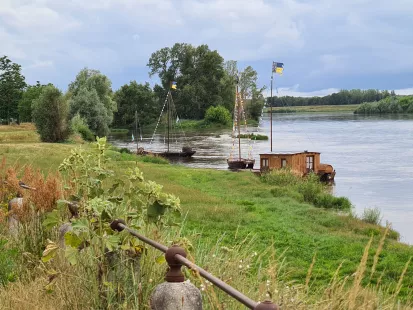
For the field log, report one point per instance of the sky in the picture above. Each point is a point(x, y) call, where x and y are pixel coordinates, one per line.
point(325, 45)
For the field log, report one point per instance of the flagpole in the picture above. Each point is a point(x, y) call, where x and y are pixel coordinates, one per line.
point(272, 76)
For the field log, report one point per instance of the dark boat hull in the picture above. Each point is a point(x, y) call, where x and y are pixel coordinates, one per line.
point(170, 154)
point(241, 163)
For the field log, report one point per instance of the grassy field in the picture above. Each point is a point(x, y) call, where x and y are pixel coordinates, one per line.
point(316, 108)
point(226, 208)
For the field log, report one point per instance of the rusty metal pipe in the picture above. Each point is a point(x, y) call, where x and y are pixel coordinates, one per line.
point(266, 305)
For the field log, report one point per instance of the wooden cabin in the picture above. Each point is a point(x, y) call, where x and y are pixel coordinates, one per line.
point(301, 163)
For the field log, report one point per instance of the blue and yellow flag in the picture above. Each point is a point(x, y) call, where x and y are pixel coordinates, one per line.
point(277, 67)
point(173, 85)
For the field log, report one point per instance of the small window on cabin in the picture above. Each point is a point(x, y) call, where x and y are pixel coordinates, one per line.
point(310, 162)
point(264, 163)
point(283, 163)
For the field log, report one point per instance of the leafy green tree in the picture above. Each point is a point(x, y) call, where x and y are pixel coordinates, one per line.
point(218, 115)
point(135, 97)
point(12, 83)
point(50, 114)
point(199, 73)
point(91, 97)
point(30, 94)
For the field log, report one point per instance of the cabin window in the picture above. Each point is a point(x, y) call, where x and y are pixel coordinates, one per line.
point(283, 162)
point(264, 163)
point(310, 162)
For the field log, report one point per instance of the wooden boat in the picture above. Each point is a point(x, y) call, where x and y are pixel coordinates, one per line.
point(185, 152)
point(238, 162)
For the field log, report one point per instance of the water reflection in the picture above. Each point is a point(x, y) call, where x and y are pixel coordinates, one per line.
point(373, 156)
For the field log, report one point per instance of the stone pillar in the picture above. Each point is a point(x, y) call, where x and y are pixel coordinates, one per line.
point(175, 293)
point(13, 221)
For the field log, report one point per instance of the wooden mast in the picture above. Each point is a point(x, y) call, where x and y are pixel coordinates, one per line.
point(168, 112)
point(238, 123)
point(136, 130)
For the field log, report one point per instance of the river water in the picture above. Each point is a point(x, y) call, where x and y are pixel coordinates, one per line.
point(372, 155)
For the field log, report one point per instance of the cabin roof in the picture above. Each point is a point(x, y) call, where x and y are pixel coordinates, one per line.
point(289, 153)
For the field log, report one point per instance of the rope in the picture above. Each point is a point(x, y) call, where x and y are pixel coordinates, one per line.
point(159, 119)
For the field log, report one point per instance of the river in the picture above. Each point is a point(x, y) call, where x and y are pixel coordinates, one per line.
point(372, 155)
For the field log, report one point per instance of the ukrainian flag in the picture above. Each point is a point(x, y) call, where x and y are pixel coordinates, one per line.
point(173, 85)
point(277, 67)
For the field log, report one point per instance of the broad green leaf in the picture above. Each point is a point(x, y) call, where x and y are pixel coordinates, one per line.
point(112, 241)
point(156, 209)
point(72, 240)
point(80, 225)
point(71, 255)
point(52, 219)
point(50, 251)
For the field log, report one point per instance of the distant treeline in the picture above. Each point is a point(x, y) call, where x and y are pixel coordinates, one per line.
point(343, 97)
point(389, 105)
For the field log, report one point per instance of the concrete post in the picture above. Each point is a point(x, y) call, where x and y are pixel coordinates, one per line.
point(13, 221)
point(175, 294)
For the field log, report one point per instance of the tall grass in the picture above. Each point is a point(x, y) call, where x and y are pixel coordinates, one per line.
point(308, 189)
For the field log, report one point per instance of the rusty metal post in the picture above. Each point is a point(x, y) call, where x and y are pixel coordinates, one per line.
point(175, 293)
point(266, 305)
point(174, 273)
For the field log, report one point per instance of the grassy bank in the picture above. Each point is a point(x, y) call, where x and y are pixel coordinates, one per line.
point(389, 105)
point(275, 226)
point(316, 108)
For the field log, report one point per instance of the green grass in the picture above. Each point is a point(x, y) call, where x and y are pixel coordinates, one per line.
point(280, 212)
point(253, 136)
point(316, 108)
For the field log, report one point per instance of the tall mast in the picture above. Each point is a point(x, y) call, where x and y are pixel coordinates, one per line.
point(238, 122)
point(272, 75)
point(168, 112)
point(136, 129)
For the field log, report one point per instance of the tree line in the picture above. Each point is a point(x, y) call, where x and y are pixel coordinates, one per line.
point(343, 97)
point(91, 107)
point(388, 105)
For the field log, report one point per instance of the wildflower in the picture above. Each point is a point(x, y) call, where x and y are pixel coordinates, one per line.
point(248, 266)
point(240, 266)
point(150, 280)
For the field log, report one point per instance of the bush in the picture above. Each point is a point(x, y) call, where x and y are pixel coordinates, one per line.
point(79, 125)
point(372, 216)
point(7, 263)
point(219, 115)
point(50, 113)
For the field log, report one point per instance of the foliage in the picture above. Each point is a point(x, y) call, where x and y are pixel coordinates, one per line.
point(372, 216)
point(91, 97)
point(103, 195)
point(50, 112)
point(79, 125)
point(30, 94)
point(218, 115)
point(135, 97)
point(7, 263)
point(253, 136)
point(200, 76)
point(343, 97)
point(308, 189)
point(12, 83)
point(392, 105)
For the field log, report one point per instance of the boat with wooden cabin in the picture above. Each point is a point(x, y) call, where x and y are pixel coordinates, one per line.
point(301, 163)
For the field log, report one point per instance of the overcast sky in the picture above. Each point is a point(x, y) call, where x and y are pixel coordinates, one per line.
point(325, 45)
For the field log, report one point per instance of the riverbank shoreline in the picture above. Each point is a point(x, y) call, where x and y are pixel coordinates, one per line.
point(314, 109)
point(225, 205)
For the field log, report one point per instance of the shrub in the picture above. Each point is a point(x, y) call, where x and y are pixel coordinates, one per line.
point(219, 115)
point(50, 112)
point(372, 216)
point(79, 125)
point(7, 263)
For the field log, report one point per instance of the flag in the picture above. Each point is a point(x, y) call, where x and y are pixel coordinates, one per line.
point(133, 138)
point(173, 85)
point(277, 67)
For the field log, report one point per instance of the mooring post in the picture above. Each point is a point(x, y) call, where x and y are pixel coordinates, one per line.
point(175, 293)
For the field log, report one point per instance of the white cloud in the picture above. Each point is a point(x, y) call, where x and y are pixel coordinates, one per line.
point(315, 40)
